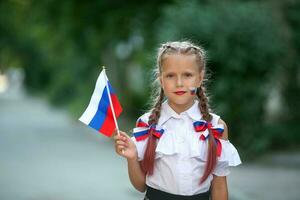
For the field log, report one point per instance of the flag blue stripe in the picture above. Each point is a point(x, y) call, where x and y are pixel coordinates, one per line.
point(101, 113)
point(111, 89)
point(140, 133)
point(219, 129)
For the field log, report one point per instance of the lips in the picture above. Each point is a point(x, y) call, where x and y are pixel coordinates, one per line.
point(180, 92)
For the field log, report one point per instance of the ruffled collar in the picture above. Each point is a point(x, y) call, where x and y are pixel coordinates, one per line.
point(167, 112)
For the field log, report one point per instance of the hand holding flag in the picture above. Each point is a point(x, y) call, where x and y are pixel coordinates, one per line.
point(104, 107)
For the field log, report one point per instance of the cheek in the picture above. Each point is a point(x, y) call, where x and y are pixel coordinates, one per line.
point(167, 85)
point(198, 80)
point(193, 81)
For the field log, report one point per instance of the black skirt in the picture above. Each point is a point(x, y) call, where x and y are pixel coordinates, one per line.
point(154, 194)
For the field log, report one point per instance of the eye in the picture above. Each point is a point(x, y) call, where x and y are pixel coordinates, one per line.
point(169, 75)
point(188, 74)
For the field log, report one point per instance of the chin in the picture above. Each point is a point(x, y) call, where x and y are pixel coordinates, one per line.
point(182, 102)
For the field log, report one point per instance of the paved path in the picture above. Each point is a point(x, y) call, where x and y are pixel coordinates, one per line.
point(265, 182)
point(44, 154)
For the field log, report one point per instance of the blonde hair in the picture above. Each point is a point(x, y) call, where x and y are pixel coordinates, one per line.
point(184, 48)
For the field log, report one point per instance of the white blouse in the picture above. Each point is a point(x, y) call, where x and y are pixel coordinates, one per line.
point(181, 155)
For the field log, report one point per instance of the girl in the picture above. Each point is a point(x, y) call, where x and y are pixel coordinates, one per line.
point(180, 150)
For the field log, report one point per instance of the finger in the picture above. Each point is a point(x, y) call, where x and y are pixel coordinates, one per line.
point(118, 148)
point(120, 134)
point(124, 134)
point(122, 143)
point(123, 138)
point(117, 137)
point(120, 138)
point(121, 148)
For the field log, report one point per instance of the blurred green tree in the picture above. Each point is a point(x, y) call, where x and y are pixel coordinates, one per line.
point(253, 49)
point(246, 48)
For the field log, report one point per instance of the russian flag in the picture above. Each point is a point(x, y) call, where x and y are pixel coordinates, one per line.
point(104, 107)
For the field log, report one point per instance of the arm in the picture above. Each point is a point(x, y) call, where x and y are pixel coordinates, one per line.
point(125, 147)
point(136, 175)
point(219, 190)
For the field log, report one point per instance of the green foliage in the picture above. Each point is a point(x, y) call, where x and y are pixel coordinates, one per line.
point(253, 48)
point(246, 45)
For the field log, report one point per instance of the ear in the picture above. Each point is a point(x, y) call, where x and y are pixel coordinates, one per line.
point(160, 81)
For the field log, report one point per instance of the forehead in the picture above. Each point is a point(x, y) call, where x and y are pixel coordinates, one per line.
point(179, 62)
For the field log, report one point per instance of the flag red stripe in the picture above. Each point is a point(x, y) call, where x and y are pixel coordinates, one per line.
point(116, 104)
point(108, 125)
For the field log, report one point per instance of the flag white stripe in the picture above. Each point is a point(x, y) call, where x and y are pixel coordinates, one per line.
point(92, 108)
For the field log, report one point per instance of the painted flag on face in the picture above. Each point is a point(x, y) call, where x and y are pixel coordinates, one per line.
point(193, 90)
point(104, 107)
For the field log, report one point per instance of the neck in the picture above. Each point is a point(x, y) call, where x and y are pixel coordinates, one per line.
point(178, 108)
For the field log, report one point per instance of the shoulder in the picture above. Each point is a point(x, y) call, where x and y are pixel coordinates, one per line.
point(144, 118)
point(218, 120)
point(225, 133)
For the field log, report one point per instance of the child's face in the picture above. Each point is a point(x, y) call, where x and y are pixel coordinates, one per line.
point(179, 73)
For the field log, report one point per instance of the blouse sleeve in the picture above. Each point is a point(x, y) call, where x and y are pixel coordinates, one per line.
point(229, 157)
point(221, 169)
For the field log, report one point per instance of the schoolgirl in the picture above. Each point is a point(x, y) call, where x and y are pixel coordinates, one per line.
point(180, 149)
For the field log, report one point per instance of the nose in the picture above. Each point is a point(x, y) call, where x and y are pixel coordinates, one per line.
point(179, 81)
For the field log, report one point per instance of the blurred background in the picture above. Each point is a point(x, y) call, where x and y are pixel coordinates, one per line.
point(51, 53)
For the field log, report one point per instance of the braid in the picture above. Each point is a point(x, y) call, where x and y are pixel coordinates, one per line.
point(204, 105)
point(155, 113)
point(149, 156)
point(185, 48)
point(212, 149)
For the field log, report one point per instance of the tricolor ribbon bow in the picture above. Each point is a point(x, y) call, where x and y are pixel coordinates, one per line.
point(144, 133)
point(216, 131)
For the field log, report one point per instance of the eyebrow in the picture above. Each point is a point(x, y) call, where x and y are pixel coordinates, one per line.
point(185, 71)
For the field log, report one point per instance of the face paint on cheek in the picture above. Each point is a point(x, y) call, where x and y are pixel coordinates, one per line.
point(193, 90)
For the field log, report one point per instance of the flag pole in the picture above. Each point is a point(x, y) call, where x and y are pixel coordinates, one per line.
point(112, 106)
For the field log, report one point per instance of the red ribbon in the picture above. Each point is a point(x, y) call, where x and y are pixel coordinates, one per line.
point(217, 132)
